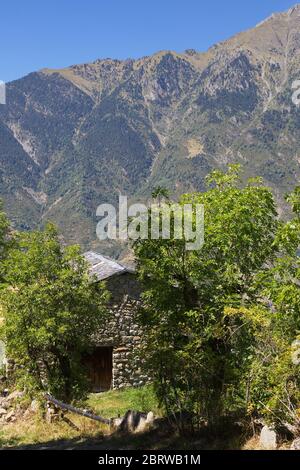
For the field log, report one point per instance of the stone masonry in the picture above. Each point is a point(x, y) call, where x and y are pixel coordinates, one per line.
point(122, 331)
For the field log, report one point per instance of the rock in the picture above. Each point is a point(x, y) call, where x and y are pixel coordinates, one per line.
point(2, 403)
point(14, 395)
point(52, 414)
point(116, 422)
point(34, 407)
point(134, 422)
point(291, 428)
point(27, 413)
point(268, 438)
point(150, 418)
point(130, 421)
point(2, 412)
point(10, 416)
point(142, 426)
point(296, 444)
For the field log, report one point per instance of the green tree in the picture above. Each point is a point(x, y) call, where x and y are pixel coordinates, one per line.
point(159, 193)
point(193, 349)
point(276, 390)
point(51, 311)
point(5, 240)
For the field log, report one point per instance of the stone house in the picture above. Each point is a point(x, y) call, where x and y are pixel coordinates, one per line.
point(115, 362)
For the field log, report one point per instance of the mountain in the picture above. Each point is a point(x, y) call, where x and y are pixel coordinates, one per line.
point(76, 137)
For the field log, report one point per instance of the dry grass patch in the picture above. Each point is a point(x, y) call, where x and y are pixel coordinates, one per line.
point(35, 430)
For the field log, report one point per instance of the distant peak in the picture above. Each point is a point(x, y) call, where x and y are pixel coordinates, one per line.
point(292, 12)
point(295, 10)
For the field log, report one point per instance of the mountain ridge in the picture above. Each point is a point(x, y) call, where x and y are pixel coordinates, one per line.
point(78, 136)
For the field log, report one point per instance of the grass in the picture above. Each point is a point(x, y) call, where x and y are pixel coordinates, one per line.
point(116, 402)
point(35, 430)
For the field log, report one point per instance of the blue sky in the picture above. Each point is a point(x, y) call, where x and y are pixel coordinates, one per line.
point(57, 33)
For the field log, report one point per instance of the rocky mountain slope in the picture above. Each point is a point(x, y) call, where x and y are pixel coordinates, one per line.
point(76, 137)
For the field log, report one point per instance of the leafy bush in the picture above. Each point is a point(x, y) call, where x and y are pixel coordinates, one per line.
point(51, 310)
point(198, 352)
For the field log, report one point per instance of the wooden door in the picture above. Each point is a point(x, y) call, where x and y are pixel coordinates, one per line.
point(99, 367)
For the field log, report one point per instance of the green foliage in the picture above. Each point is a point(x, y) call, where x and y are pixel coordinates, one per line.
point(51, 311)
point(222, 323)
point(198, 354)
point(160, 192)
point(294, 200)
point(277, 385)
point(5, 242)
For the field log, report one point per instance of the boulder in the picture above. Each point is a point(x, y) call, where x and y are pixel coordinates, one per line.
point(27, 413)
point(150, 418)
point(116, 422)
point(134, 422)
point(34, 407)
point(2, 412)
point(10, 416)
point(14, 395)
point(131, 421)
point(268, 438)
point(296, 444)
point(4, 404)
point(142, 425)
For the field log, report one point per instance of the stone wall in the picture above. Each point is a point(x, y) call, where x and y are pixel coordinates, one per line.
point(122, 331)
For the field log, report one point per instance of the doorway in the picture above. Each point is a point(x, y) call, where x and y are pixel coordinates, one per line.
point(99, 368)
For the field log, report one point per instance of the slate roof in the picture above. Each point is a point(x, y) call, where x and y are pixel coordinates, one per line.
point(103, 267)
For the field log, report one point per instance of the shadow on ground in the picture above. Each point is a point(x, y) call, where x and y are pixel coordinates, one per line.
point(233, 438)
